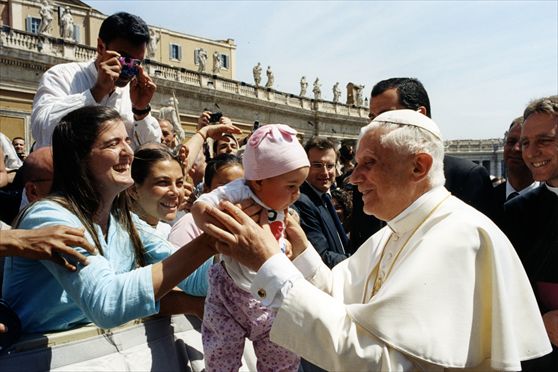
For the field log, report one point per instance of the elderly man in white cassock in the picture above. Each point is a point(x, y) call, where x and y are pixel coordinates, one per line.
point(440, 287)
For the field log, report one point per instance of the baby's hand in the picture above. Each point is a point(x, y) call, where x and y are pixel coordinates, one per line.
point(251, 208)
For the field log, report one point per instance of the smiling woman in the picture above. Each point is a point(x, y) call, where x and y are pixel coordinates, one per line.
point(159, 186)
point(134, 274)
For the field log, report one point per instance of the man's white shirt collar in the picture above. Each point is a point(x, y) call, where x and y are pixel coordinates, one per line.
point(320, 193)
point(551, 188)
point(510, 189)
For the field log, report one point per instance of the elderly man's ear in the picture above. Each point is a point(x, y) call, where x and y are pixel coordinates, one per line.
point(421, 166)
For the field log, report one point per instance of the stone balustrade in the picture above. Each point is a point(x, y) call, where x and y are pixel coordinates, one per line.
point(470, 145)
point(242, 101)
point(19, 40)
point(54, 47)
point(247, 90)
point(84, 53)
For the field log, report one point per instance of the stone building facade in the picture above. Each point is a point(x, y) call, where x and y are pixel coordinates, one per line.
point(25, 55)
point(486, 152)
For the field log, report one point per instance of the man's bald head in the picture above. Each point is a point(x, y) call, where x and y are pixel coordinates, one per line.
point(36, 173)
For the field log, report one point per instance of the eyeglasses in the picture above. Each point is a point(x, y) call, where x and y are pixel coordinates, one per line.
point(317, 165)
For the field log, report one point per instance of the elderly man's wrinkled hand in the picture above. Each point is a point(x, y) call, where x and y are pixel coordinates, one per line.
point(241, 237)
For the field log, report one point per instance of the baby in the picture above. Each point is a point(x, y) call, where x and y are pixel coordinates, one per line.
point(275, 165)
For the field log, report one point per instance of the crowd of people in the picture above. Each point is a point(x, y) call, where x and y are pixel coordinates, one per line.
point(384, 255)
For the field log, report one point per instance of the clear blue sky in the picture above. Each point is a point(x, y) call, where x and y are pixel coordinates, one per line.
point(481, 61)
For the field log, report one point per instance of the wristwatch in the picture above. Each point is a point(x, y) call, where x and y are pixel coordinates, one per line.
point(141, 112)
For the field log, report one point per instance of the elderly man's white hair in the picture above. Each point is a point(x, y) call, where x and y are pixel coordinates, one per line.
point(411, 132)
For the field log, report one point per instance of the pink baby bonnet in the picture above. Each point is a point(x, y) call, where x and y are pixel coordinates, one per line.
point(273, 150)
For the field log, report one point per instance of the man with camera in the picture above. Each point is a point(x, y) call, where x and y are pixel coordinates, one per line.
point(115, 79)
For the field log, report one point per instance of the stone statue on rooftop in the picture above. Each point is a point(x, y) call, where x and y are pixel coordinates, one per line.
point(217, 65)
point(303, 86)
point(202, 60)
point(336, 92)
point(67, 24)
point(359, 100)
point(270, 77)
point(317, 89)
point(152, 45)
point(46, 17)
point(257, 72)
point(170, 113)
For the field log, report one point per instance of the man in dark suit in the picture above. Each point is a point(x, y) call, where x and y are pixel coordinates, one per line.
point(317, 215)
point(531, 219)
point(519, 179)
point(464, 179)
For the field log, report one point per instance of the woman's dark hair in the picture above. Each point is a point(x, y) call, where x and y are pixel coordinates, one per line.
point(146, 156)
point(125, 26)
point(218, 162)
point(72, 187)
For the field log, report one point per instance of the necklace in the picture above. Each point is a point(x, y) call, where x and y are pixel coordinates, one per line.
point(380, 280)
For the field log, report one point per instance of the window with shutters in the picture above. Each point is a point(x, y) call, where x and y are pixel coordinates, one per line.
point(224, 61)
point(32, 24)
point(77, 35)
point(175, 52)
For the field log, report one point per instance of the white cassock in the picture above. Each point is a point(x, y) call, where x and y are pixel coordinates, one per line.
point(451, 293)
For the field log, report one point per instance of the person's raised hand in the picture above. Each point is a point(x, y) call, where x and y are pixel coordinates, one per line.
point(189, 198)
point(203, 120)
point(242, 238)
point(142, 89)
point(108, 71)
point(225, 120)
point(182, 154)
point(216, 131)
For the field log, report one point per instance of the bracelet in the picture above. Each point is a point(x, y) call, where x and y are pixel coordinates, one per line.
point(202, 136)
point(141, 112)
